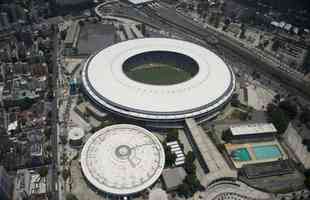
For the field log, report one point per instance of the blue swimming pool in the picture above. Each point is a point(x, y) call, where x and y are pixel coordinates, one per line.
point(241, 154)
point(267, 152)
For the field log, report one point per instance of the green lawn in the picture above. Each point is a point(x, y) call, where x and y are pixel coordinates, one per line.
point(158, 74)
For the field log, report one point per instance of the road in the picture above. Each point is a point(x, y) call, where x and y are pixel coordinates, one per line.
point(55, 119)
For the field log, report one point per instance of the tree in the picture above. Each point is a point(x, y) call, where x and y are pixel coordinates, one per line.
point(270, 107)
point(43, 171)
point(71, 196)
point(63, 139)
point(65, 174)
point(26, 103)
point(307, 182)
point(276, 45)
point(190, 168)
point(242, 34)
point(64, 158)
point(226, 135)
point(169, 156)
point(193, 183)
point(279, 119)
point(289, 108)
point(172, 135)
point(235, 100)
point(189, 165)
point(184, 190)
point(48, 132)
point(190, 157)
point(305, 116)
point(63, 35)
point(277, 97)
point(48, 148)
point(81, 22)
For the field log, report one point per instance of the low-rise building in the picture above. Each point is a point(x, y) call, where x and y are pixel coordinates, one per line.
point(28, 183)
point(6, 185)
point(298, 139)
point(173, 178)
point(250, 133)
point(72, 38)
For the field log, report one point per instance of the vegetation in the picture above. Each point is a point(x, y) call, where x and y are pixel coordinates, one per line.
point(307, 180)
point(183, 190)
point(276, 45)
point(172, 135)
point(240, 115)
point(48, 132)
point(71, 196)
point(159, 74)
point(242, 34)
point(189, 165)
point(43, 171)
point(226, 135)
point(103, 124)
point(63, 139)
point(66, 174)
point(169, 156)
point(278, 117)
point(190, 184)
point(305, 116)
point(289, 108)
point(235, 100)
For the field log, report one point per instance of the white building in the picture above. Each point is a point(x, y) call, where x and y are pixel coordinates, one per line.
point(76, 136)
point(122, 159)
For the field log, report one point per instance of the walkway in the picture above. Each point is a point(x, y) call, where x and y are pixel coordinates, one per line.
point(218, 168)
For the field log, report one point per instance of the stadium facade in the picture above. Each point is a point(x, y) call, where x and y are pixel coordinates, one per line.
point(107, 81)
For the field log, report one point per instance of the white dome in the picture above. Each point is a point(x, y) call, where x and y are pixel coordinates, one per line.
point(122, 159)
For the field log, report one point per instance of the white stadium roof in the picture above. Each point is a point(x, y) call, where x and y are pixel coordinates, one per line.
point(106, 83)
point(122, 159)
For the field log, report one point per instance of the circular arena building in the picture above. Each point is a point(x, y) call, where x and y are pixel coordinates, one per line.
point(158, 80)
point(122, 159)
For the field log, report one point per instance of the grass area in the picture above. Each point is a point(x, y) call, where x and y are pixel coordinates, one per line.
point(158, 74)
point(237, 114)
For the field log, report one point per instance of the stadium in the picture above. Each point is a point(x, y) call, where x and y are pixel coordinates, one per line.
point(158, 80)
point(122, 159)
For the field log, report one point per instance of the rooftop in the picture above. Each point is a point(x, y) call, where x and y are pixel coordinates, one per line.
point(94, 37)
point(157, 102)
point(122, 159)
point(275, 168)
point(27, 183)
point(173, 177)
point(256, 128)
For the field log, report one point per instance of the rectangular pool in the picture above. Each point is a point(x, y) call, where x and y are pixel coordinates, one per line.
point(267, 152)
point(241, 154)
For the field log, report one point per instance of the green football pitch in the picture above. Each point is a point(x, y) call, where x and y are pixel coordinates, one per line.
point(158, 74)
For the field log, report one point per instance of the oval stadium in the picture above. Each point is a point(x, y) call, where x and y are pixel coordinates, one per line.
point(158, 80)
